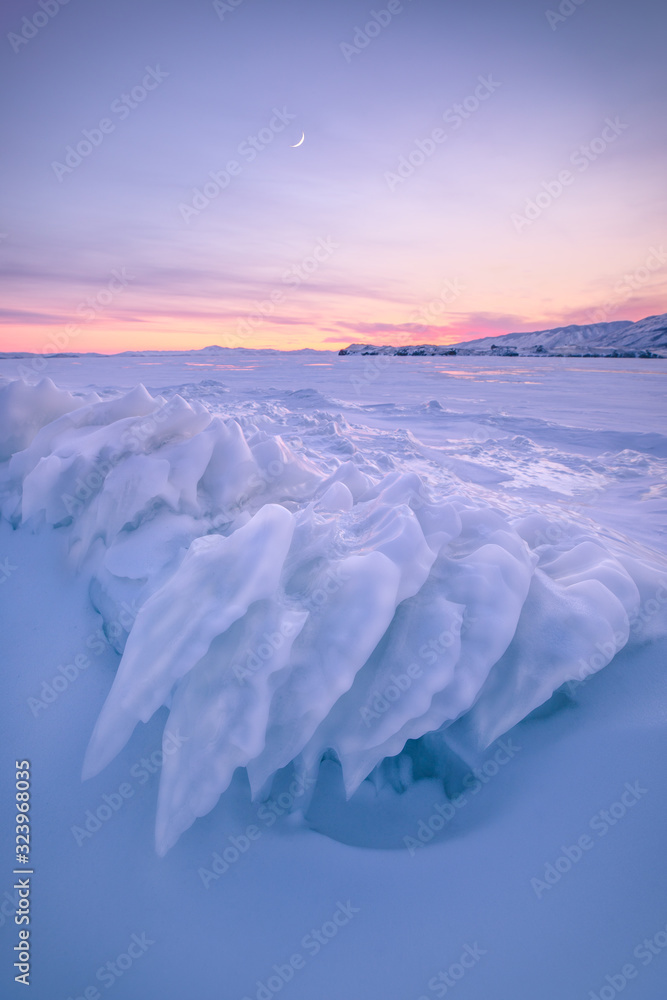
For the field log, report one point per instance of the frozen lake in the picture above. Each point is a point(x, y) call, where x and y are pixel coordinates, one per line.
point(514, 509)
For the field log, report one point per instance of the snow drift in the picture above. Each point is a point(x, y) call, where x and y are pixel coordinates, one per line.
point(290, 607)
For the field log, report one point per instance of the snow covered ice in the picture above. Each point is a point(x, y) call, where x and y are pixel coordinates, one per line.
point(346, 595)
point(278, 595)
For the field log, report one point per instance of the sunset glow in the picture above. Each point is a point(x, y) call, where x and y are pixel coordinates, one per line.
point(466, 171)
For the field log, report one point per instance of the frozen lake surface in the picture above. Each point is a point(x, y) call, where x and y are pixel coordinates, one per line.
point(260, 560)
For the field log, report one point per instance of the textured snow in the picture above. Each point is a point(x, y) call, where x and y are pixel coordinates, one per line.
point(440, 847)
point(288, 566)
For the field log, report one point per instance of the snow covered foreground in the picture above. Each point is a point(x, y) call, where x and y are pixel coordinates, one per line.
point(298, 577)
point(288, 608)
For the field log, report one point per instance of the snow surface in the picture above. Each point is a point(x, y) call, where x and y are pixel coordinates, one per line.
point(329, 589)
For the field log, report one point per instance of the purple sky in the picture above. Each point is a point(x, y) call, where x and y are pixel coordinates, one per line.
point(466, 169)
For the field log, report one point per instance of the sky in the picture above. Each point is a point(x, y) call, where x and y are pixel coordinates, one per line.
point(466, 170)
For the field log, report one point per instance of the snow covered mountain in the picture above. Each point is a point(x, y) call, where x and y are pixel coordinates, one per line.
point(646, 334)
point(649, 334)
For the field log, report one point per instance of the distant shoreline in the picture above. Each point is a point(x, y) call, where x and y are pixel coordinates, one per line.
point(354, 351)
point(437, 351)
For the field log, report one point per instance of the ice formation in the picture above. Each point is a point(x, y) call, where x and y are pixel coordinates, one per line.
point(291, 605)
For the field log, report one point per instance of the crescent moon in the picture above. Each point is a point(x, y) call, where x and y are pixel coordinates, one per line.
point(303, 136)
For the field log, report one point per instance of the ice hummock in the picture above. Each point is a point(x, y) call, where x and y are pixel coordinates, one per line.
point(289, 608)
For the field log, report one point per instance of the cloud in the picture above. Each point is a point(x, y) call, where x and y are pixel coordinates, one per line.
point(373, 328)
point(616, 308)
point(465, 326)
point(25, 318)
